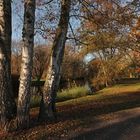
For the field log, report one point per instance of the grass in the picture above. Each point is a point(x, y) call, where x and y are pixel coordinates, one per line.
point(73, 93)
point(77, 93)
point(106, 93)
point(80, 112)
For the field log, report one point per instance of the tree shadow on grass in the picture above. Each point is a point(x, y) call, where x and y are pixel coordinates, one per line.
point(99, 107)
point(79, 113)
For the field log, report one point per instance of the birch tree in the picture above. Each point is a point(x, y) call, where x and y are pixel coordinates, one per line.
point(47, 107)
point(26, 66)
point(7, 103)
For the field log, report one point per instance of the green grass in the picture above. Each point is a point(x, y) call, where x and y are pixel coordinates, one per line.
point(75, 92)
point(72, 93)
point(78, 94)
point(106, 93)
point(80, 110)
point(120, 88)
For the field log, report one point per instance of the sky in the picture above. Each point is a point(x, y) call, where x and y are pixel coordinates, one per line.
point(17, 11)
point(89, 57)
point(17, 24)
point(17, 21)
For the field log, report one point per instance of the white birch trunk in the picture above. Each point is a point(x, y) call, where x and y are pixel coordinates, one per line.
point(7, 103)
point(47, 107)
point(26, 66)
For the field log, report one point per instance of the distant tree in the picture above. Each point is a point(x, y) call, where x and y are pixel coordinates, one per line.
point(135, 35)
point(26, 64)
point(47, 107)
point(105, 32)
point(16, 57)
point(72, 66)
point(7, 103)
point(40, 61)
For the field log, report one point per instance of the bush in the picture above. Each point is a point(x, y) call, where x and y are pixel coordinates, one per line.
point(35, 101)
point(67, 94)
point(72, 93)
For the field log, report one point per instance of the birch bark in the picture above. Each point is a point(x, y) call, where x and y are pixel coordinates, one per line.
point(47, 106)
point(26, 66)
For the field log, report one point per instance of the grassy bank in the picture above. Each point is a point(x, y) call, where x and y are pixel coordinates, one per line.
point(82, 112)
point(67, 94)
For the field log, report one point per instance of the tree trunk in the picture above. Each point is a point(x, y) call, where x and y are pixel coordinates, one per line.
point(47, 106)
point(26, 66)
point(7, 103)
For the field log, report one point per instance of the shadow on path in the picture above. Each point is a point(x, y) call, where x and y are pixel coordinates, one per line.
point(127, 130)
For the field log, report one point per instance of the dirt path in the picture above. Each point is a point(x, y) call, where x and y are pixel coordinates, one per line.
point(122, 125)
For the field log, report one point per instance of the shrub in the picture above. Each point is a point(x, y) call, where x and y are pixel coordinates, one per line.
point(35, 101)
point(64, 95)
point(72, 93)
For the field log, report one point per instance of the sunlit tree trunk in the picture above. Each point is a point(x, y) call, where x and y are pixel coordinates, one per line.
point(7, 103)
point(26, 66)
point(47, 107)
